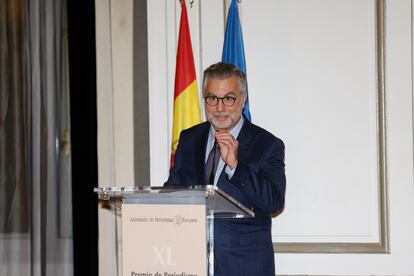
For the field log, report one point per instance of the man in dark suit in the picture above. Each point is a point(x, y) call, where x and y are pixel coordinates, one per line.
point(249, 165)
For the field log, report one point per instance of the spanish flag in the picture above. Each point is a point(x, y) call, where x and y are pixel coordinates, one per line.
point(186, 103)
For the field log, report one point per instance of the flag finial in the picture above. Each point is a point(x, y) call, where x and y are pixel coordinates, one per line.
point(183, 2)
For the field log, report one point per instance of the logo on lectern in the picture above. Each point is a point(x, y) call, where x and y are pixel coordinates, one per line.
point(178, 219)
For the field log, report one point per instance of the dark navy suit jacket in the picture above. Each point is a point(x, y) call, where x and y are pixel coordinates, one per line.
point(242, 246)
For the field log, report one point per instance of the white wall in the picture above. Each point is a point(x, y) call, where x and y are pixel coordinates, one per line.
point(315, 81)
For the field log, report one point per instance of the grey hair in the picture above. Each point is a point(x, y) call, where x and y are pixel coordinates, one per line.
point(221, 70)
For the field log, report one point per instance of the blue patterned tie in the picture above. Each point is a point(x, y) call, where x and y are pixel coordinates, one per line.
point(212, 164)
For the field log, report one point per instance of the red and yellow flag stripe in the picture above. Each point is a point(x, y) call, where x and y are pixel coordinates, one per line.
point(186, 102)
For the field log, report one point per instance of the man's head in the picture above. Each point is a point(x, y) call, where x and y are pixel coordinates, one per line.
point(225, 90)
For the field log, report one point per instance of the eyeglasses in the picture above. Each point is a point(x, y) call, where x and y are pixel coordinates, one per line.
point(213, 100)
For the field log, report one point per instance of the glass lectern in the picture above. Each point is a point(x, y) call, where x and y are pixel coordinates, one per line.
point(166, 229)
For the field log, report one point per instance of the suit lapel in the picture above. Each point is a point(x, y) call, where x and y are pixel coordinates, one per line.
point(245, 139)
point(200, 146)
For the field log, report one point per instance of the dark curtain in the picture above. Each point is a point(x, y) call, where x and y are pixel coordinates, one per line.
point(14, 211)
point(82, 60)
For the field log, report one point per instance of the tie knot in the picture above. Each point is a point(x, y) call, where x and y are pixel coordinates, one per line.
point(216, 145)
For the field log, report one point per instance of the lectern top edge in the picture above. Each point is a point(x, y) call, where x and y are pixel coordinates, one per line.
point(108, 193)
point(215, 199)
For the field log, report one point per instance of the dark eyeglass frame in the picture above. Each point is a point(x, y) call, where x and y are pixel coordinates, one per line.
point(211, 99)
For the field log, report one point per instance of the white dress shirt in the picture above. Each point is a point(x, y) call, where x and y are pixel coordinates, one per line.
point(210, 143)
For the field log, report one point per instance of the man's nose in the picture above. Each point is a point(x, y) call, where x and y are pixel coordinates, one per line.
point(220, 105)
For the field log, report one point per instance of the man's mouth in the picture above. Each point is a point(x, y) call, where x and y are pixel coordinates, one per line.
point(221, 118)
point(221, 115)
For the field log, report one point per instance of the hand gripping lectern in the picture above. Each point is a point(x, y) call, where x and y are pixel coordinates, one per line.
point(169, 231)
